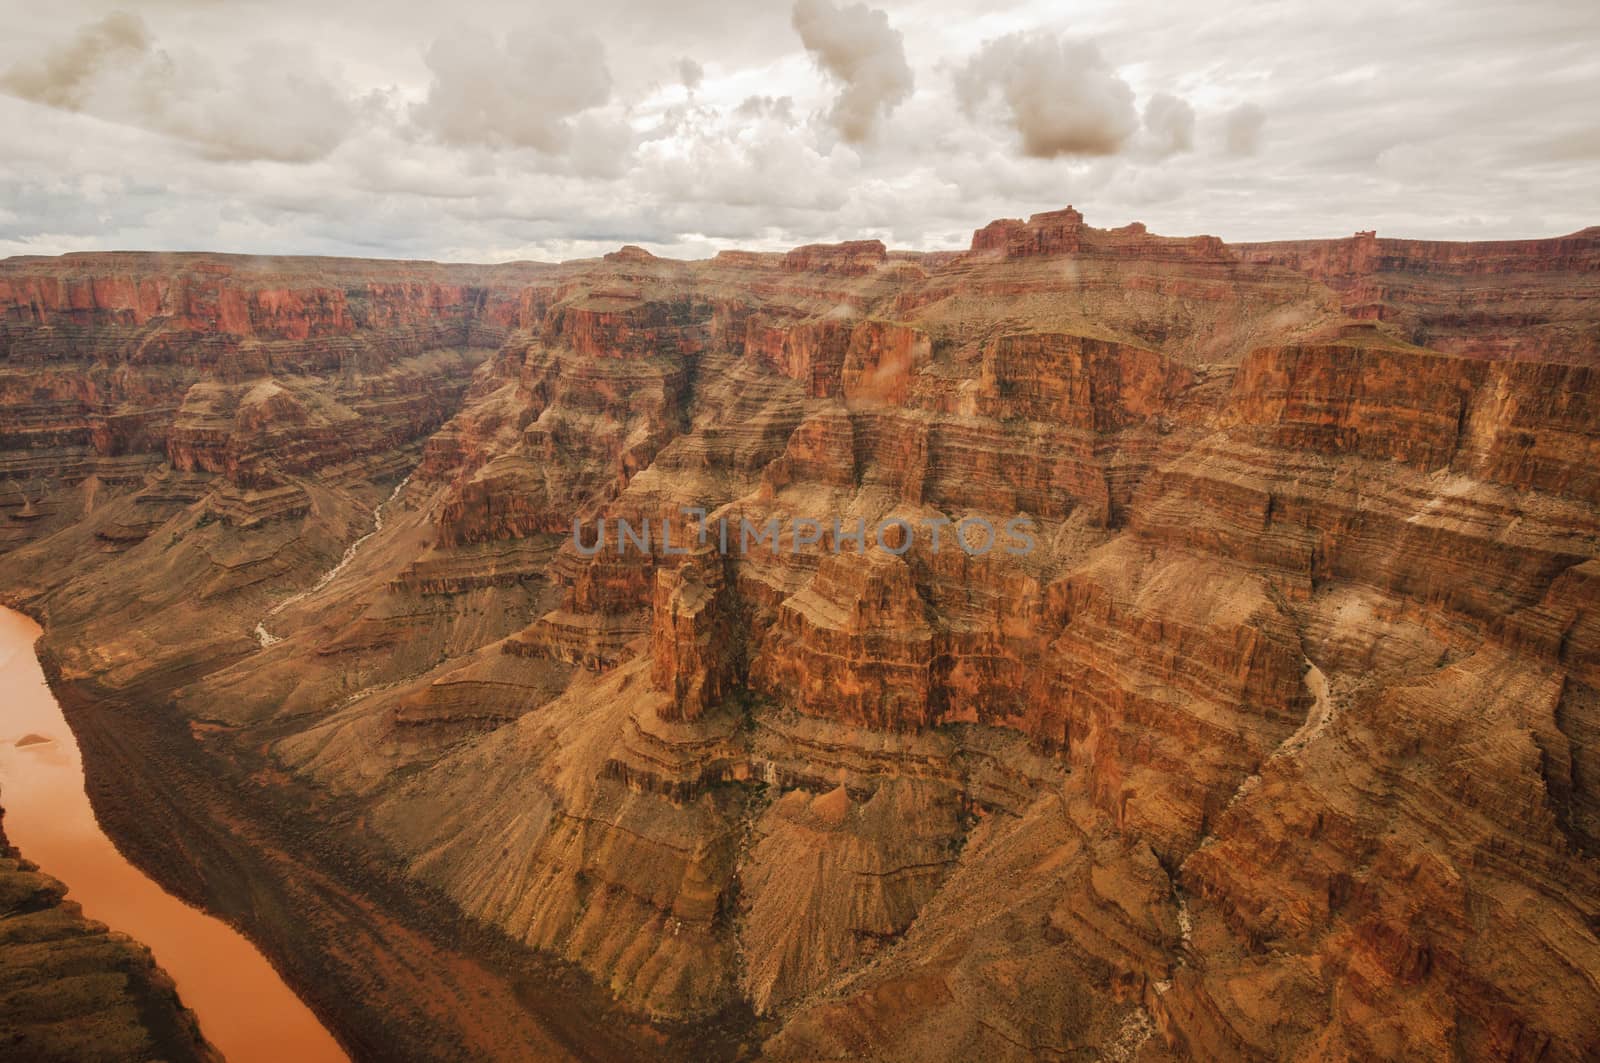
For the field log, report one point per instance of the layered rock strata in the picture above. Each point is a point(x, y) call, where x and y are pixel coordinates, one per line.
point(1277, 740)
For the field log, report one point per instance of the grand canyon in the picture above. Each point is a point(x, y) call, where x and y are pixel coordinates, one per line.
point(1283, 743)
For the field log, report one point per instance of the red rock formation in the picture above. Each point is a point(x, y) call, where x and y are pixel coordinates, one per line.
point(693, 638)
point(1513, 299)
point(853, 646)
point(851, 258)
point(1056, 232)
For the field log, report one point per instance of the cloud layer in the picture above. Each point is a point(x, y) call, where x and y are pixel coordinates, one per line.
point(272, 105)
point(491, 132)
point(520, 90)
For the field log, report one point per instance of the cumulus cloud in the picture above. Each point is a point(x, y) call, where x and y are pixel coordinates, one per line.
point(1060, 95)
point(858, 48)
point(1241, 129)
point(134, 130)
point(283, 110)
point(65, 76)
point(746, 157)
point(521, 91)
point(1169, 124)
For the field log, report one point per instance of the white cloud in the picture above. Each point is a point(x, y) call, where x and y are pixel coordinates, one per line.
point(1059, 94)
point(747, 158)
point(273, 105)
point(174, 129)
point(519, 91)
point(858, 48)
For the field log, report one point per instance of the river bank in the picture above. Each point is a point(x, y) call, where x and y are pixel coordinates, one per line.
point(72, 989)
point(247, 1010)
point(394, 971)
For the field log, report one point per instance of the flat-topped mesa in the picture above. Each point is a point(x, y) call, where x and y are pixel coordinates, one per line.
point(1365, 252)
point(747, 259)
point(629, 253)
point(1062, 232)
point(853, 258)
point(1513, 300)
point(619, 324)
point(194, 302)
point(1135, 241)
point(1052, 232)
point(194, 310)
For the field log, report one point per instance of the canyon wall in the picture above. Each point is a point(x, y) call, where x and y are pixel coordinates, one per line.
point(1278, 739)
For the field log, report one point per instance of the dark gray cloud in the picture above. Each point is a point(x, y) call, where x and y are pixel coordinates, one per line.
point(858, 48)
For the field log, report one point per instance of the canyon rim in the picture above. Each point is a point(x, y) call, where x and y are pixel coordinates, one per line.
point(650, 532)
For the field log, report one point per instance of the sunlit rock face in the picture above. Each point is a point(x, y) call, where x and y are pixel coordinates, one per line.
point(1279, 740)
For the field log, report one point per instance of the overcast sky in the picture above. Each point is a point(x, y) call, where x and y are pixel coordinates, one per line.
point(473, 131)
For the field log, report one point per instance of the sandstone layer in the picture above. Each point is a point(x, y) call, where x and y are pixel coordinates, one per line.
point(1279, 739)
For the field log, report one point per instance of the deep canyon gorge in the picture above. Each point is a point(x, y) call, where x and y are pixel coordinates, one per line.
point(1283, 743)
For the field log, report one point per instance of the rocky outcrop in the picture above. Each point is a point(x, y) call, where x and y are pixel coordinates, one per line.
point(1063, 232)
point(851, 258)
point(1056, 232)
point(692, 641)
point(255, 370)
point(854, 645)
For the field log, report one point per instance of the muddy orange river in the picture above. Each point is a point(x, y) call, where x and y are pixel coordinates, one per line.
point(245, 1009)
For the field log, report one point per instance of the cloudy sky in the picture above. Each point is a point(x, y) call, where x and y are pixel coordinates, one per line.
point(488, 131)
